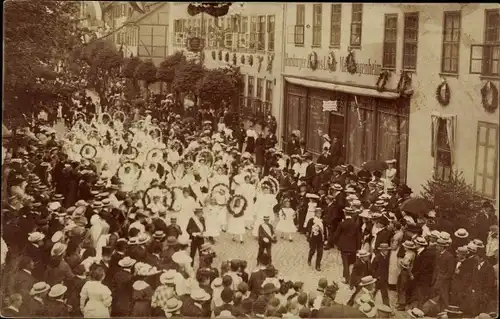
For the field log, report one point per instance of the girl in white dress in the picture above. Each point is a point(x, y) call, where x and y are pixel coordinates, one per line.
point(95, 298)
point(287, 216)
point(264, 205)
point(236, 221)
point(311, 207)
point(212, 223)
point(390, 173)
point(246, 189)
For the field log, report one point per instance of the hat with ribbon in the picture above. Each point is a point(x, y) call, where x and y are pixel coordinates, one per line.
point(39, 287)
point(57, 290)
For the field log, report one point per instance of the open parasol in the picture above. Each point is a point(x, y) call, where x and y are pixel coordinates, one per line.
point(417, 206)
point(375, 165)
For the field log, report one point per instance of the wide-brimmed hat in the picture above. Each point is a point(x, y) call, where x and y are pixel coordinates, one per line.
point(142, 239)
point(365, 213)
point(350, 190)
point(35, 236)
point(172, 305)
point(39, 287)
point(384, 308)
point(419, 240)
point(53, 206)
point(408, 244)
point(445, 236)
point(362, 253)
point(140, 285)
point(435, 234)
point(57, 290)
point(168, 277)
point(199, 295)
point(416, 313)
point(461, 250)
point(58, 249)
point(442, 242)
point(337, 187)
point(479, 243)
point(58, 235)
point(217, 282)
point(368, 310)
point(268, 288)
point(367, 280)
point(159, 234)
point(181, 258)
point(453, 309)
point(380, 203)
point(383, 246)
point(97, 204)
point(471, 247)
point(81, 202)
point(126, 262)
point(58, 197)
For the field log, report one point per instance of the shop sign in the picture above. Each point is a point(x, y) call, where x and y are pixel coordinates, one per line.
point(330, 106)
point(195, 44)
point(368, 68)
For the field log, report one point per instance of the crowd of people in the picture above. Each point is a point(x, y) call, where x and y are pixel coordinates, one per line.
point(121, 216)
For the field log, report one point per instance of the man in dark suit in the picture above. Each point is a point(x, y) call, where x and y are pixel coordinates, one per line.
point(383, 235)
point(310, 170)
point(266, 238)
point(361, 268)
point(13, 310)
point(316, 234)
point(23, 279)
point(173, 229)
point(484, 220)
point(423, 267)
point(484, 285)
point(335, 211)
point(195, 229)
point(258, 276)
point(336, 150)
point(122, 288)
point(443, 272)
point(347, 238)
point(380, 271)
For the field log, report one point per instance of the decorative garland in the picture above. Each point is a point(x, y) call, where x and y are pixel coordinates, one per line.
point(270, 60)
point(134, 155)
point(230, 208)
point(172, 195)
point(404, 85)
point(332, 62)
point(226, 188)
point(226, 57)
point(382, 80)
point(250, 60)
point(489, 88)
point(214, 55)
point(83, 151)
point(259, 59)
point(220, 55)
point(242, 59)
point(350, 63)
point(313, 60)
point(235, 59)
point(443, 100)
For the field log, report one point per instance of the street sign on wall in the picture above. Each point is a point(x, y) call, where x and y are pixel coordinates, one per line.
point(195, 44)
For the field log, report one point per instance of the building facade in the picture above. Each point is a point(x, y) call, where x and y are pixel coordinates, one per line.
point(248, 37)
point(401, 53)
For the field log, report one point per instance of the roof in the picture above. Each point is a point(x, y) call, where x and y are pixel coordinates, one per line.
point(137, 16)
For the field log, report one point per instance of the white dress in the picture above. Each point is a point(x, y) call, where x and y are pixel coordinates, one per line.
point(263, 207)
point(248, 191)
point(286, 224)
point(311, 209)
point(212, 222)
point(95, 300)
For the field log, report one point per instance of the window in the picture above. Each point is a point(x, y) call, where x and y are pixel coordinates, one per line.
point(253, 32)
point(410, 41)
point(317, 9)
point(243, 33)
point(443, 145)
point(356, 24)
point(242, 90)
point(486, 159)
point(390, 37)
point(261, 35)
point(269, 96)
point(260, 88)
point(492, 26)
point(451, 41)
point(335, 24)
point(178, 26)
point(270, 33)
point(299, 25)
point(485, 58)
point(250, 92)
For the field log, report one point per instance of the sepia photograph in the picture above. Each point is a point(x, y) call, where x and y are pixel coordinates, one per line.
point(250, 160)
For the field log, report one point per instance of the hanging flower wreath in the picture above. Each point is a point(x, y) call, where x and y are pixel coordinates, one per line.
point(250, 60)
point(332, 62)
point(235, 203)
point(259, 59)
point(270, 60)
point(220, 55)
point(404, 85)
point(214, 55)
point(226, 57)
point(489, 90)
point(350, 63)
point(88, 151)
point(443, 93)
point(235, 59)
point(382, 80)
point(313, 60)
point(242, 59)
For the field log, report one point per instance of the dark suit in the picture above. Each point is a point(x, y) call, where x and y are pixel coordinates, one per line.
point(255, 281)
point(442, 276)
point(196, 241)
point(122, 293)
point(173, 230)
point(423, 268)
point(359, 270)
point(33, 308)
point(316, 239)
point(266, 240)
point(347, 238)
point(383, 236)
point(484, 289)
point(310, 174)
point(11, 313)
point(380, 271)
point(22, 283)
point(73, 295)
point(56, 308)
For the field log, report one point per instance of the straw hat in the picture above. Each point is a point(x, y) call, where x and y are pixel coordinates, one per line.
point(58, 235)
point(217, 282)
point(181, 258)
point(57, 290)
point(172, 305)
point(419, 240)
point(168, 277)
point(58, 249)
point(39, 287)
point(383, 246)
point(142, 239)
point(479, 243)
point(366, 213)
point(461, 233)
point(367, 280)
point(362, 253)
point(368, 310)
point(184, 240)
point(140, 285)
point(126, 262)
point(199, 295)
point(35, 236)
point(454, 310)
point(416, 313)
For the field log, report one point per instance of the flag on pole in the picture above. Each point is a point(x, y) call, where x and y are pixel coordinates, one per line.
point(136, 6)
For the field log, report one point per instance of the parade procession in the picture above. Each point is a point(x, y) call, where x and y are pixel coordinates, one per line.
point(178, 204)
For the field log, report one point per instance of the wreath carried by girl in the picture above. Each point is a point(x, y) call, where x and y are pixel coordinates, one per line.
point(237, 205)
point(313, 60)
point(443, 93)
point(382, 80)
point(489, 97)
point(350, 63)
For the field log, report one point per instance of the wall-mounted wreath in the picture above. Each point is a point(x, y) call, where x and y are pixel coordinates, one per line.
point(489, 97)
point(313, 60)
point(382, 80)
point(270, 60)
point(237, 205)
point(220, 55)
point(214, 55)
point(226, 57)
point(332, 62)
point(250, 60)
point(350, 63)
point(242, 59)
point(259, 59)
point(404, 85)
point(235, 59)
point(443, 93)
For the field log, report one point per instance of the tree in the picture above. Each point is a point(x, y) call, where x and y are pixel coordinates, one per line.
point(128, 72)
point(37, 36)
point(216, 88)
point(454, 199)
point(169, 67)
point(186, 80)
point(146, 72)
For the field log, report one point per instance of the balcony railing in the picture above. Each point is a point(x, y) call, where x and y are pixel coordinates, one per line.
point(485, 59)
